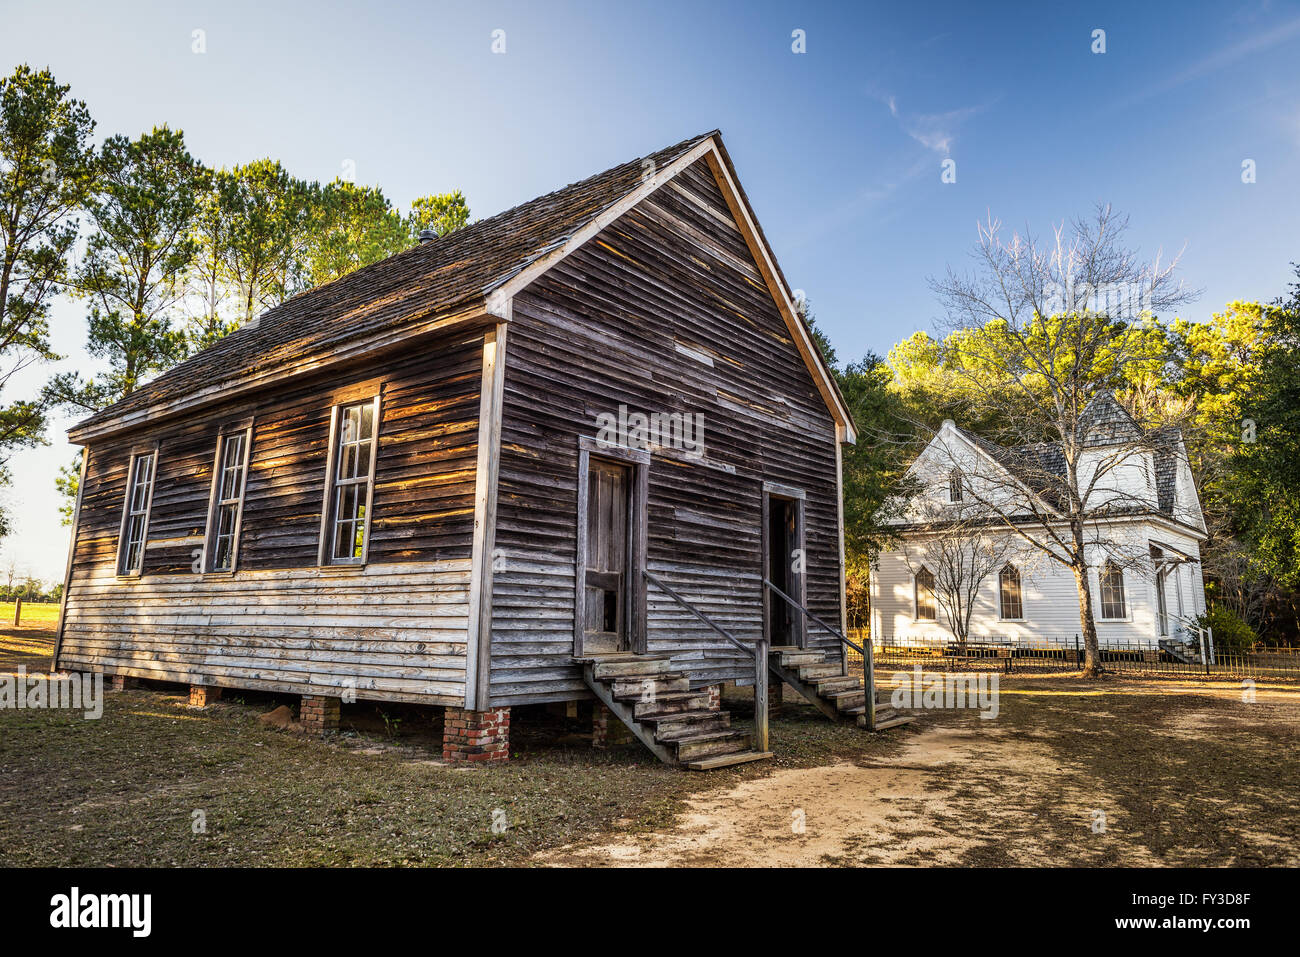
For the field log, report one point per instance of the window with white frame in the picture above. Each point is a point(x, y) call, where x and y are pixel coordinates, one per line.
point(351, 481)
point(923, 594)
point(954, 486)
point(1010, 601)
point(227, 500)
point(1112, 591)
point(135, 517)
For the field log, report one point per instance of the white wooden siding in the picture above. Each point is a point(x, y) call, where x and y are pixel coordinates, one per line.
point(1050, 598)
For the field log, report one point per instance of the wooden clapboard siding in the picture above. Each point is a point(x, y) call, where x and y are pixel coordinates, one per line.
point(396, 627)
point(392, 632)
point(665, 311)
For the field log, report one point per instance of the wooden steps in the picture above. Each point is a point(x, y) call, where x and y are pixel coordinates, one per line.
point(839, 696)
point(654, 700)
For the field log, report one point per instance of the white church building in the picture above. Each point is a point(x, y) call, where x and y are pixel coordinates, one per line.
point(969, 537)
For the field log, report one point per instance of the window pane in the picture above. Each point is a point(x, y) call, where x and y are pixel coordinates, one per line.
point(353, 454)
point(131, 548)
point(141, 481)
point(350, 425)
point(348, 509)
point(925, 594)
point(362, 460)
point(347, 461)
point(223, 555)
point(1112, 592)
point(1009, 582)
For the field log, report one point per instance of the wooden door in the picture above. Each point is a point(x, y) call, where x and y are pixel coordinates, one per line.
point(608, 552)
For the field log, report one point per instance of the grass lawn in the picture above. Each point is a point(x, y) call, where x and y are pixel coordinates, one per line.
point(1187, 774)
point(43, 614)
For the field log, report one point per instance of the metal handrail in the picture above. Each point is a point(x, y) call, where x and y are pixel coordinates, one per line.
point(834, 631)
point(758, 653)
point(868, 660)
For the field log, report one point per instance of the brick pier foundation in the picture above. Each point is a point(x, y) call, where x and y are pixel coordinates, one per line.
point(476, 736)
point(606, 729)
point(203, 695)
point(775, 696)
point(715, 696)
point(319, 713)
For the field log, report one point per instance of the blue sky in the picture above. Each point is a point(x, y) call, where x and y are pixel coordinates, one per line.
point(840, 148)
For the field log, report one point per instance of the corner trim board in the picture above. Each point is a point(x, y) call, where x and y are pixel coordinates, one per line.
point(478, 648)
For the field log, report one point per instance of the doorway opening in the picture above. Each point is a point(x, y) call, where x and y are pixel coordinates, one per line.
point(783, 565)
point(609, 538)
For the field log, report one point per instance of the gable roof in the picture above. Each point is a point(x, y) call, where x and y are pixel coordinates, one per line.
point(472, 271)
point(1040, 467)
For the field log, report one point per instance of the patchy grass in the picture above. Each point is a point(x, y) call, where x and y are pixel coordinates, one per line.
point(1186, 772)
point(127, 789)
point(124, 790)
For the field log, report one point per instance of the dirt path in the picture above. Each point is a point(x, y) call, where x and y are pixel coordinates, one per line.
point(921, 807)
point(964, 791)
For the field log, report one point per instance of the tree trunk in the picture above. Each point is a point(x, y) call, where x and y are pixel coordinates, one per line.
point(1087, 624)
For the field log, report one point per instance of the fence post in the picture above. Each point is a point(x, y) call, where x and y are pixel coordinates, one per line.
point(1078, 657)
point(18, 610)
point(869, 682)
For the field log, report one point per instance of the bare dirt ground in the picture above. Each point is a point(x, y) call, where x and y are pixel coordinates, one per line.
point(1128, 773)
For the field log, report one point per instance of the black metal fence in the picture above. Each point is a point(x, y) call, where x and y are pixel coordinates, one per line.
point(1046, 655)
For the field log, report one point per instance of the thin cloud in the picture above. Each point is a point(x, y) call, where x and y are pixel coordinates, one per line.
point(934, 131)
point(1217, 61)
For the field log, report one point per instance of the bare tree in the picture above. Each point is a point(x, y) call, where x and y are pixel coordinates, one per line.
point(962, 550)
point(1041, 334)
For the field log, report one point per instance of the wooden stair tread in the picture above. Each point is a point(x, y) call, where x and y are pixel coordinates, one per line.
point(726, 760)
point(694, 714)
point(862, 708)
point(704, 737)
point(894, 722)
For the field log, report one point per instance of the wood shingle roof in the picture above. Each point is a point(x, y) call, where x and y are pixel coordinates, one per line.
point(452, 274)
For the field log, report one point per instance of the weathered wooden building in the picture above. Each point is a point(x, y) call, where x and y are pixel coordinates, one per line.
point(551, 455)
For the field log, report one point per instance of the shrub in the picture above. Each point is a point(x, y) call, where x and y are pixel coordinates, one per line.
point(1230, 632)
